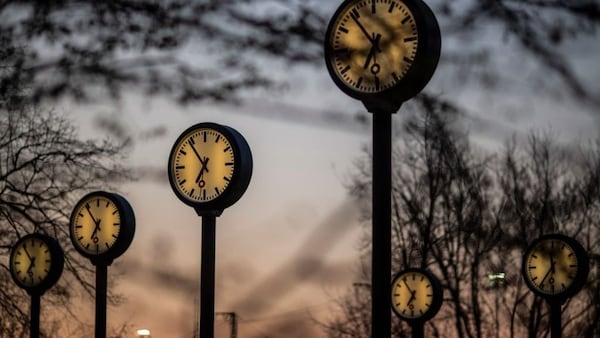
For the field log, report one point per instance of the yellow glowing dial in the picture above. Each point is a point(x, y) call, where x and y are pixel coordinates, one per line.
point(373, 44)
point(412, 294)
point(31, 261)
point(95, 224)
point(551, 266)
point(36, 263)
point(202, 164)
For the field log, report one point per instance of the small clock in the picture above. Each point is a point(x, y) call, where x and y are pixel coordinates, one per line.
point(36, 263)
point(210, 166)
point(555, 266)
point(102, 226)
point(416, 295)
point(382, 49)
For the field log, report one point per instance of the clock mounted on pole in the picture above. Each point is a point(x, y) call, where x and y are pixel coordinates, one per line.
point(382, 53)
point(209, 169)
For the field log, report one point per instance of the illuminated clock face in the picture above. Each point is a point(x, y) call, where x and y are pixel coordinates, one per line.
point(31, 262)
point(413, 294)
point(202, 165)
point(551, 266)
point(95, 224)
point(372, 43)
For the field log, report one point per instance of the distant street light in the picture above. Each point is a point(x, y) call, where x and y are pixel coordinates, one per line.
point(497, 281)
point(144, 333)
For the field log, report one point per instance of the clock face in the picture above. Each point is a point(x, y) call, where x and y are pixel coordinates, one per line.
point(36, 263)
point(551, 266)
point(374, 43)
point(95, 224)
point(416, 294)
point(31, 261)
point(202, 165)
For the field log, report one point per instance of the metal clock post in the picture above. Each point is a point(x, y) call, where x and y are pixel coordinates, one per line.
point(101, 228)
point(209, 169)
point(382, 53)
point(36, 263)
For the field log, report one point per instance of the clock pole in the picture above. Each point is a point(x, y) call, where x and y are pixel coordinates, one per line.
point(101, 290)
point(381, 257)
point(207, 276)
point(555, 318)
point(34, 325)
point(418, 329)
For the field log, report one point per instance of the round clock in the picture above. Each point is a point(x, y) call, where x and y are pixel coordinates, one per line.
point(210, 167)
point(382, 49)
point(102, 226)
point(36, 263)
point(416, 295)
point(555, 266)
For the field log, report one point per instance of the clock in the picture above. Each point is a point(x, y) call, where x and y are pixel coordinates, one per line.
point(36, 263)
point(210, 166)
point(102, 226)
point(555, 266)
point(416, 295)
point(382, 49)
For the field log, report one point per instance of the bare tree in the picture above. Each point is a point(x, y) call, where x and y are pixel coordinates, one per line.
point(44, 169)
point(463, 214)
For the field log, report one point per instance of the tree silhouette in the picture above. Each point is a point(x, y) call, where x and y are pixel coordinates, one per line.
point(44, 169)
point(463, 214)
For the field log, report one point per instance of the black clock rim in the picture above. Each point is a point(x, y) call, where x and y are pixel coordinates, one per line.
point(580, 276)
point(418, 75)
point(56, 264)
point(242, 170)
point(126, 231)
point(437, 299)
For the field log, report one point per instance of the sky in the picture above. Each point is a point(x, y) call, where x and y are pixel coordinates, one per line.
point(288, 249)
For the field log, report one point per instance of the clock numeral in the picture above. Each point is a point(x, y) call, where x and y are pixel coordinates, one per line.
point(392, 6)
point(373, 7)
point(115, 236)
point(226, 178)
point(217, 190)
point(218, 138)
point(182, 152)
point(405, 20)
point(191, 192)
point(345, 70)
point(532, 267)
point(204, 194)
point(343, 30)
point(179, 167)
point(228, 164)
point(117, 224)
point(114, 212)
point(204, 137)
point(226, 149)
point(182, 182)
point(191, 141)
point(97, 203)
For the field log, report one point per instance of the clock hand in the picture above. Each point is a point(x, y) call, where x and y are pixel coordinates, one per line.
point(203, 169)
point(374, 49)
point(364, 30)
point(195, 152)
point(87, 207)
point(551, 270)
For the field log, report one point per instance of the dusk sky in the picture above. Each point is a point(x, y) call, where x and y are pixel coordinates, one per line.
point(289, 248)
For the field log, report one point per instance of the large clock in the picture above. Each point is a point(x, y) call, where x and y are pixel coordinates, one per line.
point(36, 263)
point(102, 226)
point(416, 295)
point(382, 49)
point(210, 166)
point(555, 266)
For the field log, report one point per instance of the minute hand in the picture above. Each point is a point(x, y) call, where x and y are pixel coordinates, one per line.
point(366, 33)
